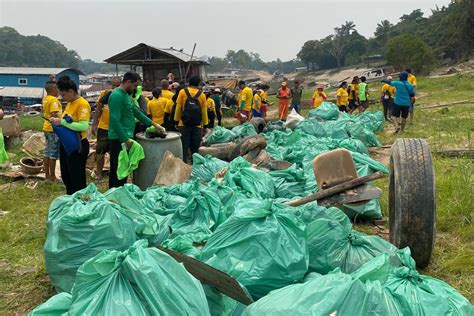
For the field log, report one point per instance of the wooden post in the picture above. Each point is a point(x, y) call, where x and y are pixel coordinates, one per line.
point(189, 63)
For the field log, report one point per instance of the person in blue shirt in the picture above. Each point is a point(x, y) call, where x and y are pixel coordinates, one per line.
point(404, 92)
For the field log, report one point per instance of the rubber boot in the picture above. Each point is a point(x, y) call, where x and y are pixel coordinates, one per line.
point(404, 122)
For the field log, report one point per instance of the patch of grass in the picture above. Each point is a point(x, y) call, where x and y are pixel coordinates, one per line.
point(31, 122)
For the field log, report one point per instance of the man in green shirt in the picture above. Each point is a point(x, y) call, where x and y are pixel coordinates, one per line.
point(122, 122)
point(363, 95)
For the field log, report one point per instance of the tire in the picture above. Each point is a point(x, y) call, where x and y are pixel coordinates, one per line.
point(259, 124)
point(412, 199)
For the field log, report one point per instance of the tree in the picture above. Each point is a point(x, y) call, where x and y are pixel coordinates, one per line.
point(383, 28)
point(409, 51)
point(415, 15)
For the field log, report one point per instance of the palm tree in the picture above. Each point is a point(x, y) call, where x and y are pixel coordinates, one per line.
point(383, 28)
point(345, 29)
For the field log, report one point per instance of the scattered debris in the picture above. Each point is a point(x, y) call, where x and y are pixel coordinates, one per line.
point(445, 104)
point(172, 170)
point(34, 145)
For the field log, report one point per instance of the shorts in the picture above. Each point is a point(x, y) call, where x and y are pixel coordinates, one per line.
point(343, 108)
point(51, 149)
point(364, 104)
point(353, 104)
point(103, 144)
point(400, 110)
point(256, 113)
point(243, 116)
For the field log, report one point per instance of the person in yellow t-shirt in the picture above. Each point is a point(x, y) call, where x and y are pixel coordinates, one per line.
point(388, 93)
point(191, 134)
point(411, 79)
point(342, 97)
point(244, 102)
point(211, 110)
point(353, 92)
point(265, 102)
point(165, 92)
point(76, 117)
point(100, 127)
point(156, 107)
point(51, 108)
point(318, 96)
point(257, 104)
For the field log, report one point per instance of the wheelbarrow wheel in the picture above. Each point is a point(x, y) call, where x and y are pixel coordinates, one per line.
point(412, 199)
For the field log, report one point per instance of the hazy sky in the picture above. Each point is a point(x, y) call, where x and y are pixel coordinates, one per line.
point(100, 29)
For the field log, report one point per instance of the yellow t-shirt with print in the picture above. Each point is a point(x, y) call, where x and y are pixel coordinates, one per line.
point(391, 90)
point(264, 97)
point(78, 110)
point(343, 97)
point(318, 99)
point(353, 87)
point(105, 115)
point(167, 94)
point(257, 102)
point(246, 95)
point(156, 109)
point(50, 104)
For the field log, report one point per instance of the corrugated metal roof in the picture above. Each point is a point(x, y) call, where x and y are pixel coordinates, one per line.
point(35, 71)
point(22, 92)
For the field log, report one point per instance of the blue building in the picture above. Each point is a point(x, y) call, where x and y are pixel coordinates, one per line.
point(26, 84)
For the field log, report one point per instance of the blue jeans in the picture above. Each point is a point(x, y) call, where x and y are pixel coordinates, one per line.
point(297, 107)
point(51, 149)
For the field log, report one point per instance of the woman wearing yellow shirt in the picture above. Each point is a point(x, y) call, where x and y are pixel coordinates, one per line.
point(388, 93)
point(211, 110)
point(343, 97)
point(319, 96)
point(156, 107)
point(76, 117)
point(257, 104)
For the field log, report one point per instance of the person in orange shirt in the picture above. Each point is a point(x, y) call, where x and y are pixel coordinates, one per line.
point(318, 97)
point(100, 127)
point(283, 96)
point(51, 108)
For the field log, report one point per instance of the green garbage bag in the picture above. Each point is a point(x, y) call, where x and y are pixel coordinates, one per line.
point(289, 183)
point(226, 194)
point(335, 293)
point(138, 281)
point(250, 181)
point(373, 165)
point(204, 168)
point(57, 305)
point(3, 152)
point(219, 135)
point(326, 111)
point(244, 130)
point(148, 225)
point(189, 244)
point(79, 227)
point(353, 144)
point(276, 126)
point(416, 294)
point(336, 129)
point(372, 120)
point(222, 305)
point(370, 210)
point(333, 244)
point(128, 160)
point(262, 245)
point(312, 127)
point(160, 202)
point(358, 131)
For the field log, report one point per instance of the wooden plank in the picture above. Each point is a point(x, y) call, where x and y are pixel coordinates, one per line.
point(336, 189)
point(223, 282)
point(455, 152)
point(445, 104)
point(356, 195)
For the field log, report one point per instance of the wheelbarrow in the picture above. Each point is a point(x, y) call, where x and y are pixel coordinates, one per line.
point(412, 205)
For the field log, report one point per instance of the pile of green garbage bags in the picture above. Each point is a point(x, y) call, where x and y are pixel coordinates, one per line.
point(223, 135)
point(308, 260)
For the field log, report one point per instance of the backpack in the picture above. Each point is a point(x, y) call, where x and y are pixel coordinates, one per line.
point(192, 114)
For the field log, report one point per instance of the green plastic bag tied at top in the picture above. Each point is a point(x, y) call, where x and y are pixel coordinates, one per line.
point(414, 293)
point(220, 135)
point(312, 127)
point(79, 227)
point(289, 183)
point(332, 243)
point(128, 160)
point(326, 111)
point(3, 152)
point(372, 120)
point(248, 180)
point(244, 130)
point(262, 245)
point(336, 293)
point(204, 168)
point(138, 281)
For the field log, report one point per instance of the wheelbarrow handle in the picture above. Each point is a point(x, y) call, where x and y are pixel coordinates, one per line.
point(335, 189)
